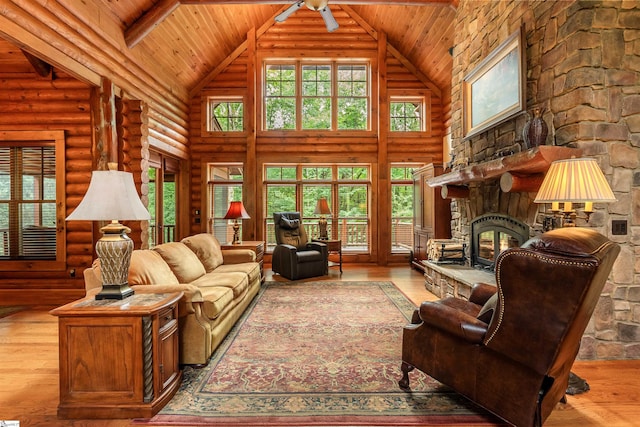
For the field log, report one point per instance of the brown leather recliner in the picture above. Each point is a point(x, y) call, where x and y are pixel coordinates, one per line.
point(510, 348)
point(294, 257)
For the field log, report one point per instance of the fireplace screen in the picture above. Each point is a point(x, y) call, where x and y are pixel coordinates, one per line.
point(492, 234)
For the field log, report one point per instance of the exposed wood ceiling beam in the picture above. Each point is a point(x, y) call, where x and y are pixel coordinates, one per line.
point(161, 10)
point(148, 21)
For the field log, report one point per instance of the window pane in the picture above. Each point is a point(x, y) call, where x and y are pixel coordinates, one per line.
point(279, 173)
point(281, 80)
point(316, 113)
point(406, 116)
point(226, 173)
point(221, 196)
point(353, 173)
point(316, 173)
point(280, 198)
point(352, 200)
point(316, 80)
point(310, 196)
point(401, 217)
point(281, 113)
point(227, 116)
point(28, 187)
point(402, 173)
point(352, 113)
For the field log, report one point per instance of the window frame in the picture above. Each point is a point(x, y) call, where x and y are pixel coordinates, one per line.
point(208, 97)
point(334, 98)
point(57, 140)
point(403, 95)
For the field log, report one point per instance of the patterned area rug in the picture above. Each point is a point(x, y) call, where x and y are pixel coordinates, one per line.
point(316, 354)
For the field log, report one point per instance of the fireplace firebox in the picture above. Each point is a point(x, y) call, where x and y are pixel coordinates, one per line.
point(493, 233)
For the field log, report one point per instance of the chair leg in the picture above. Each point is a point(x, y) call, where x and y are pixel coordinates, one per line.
point(404, 381)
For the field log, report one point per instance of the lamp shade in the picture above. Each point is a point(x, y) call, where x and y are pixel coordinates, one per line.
point(322, 207)
point(575, 180)
point(236, 211)
point(112, 195)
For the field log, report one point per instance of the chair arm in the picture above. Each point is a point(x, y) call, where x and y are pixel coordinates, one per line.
point(238, 256)
point(320, 247)
point(453, 321)
point(481, 292)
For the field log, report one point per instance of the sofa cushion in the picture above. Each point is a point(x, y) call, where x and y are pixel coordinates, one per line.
point(237, 282)
point(251, 269)
point(216, 299)
point(148, 268)
point(207, 249)
point(182, 261)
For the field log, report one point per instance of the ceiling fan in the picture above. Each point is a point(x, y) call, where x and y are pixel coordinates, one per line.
point(318, 6)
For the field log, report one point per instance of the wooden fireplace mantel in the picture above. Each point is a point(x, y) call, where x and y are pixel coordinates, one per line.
point(527, 163)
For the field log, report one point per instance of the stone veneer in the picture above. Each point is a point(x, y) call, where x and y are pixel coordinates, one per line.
point(583, 67)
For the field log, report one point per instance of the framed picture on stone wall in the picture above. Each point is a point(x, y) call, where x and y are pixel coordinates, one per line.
point(494, 91)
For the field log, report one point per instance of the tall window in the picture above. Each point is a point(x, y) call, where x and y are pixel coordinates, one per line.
point(353, 97)
point(226, 114)
point(224, 186)
point(402, 207)
point(316, 96)
point(280, 96)
point(347, 189)
point(28, 193)
point(163, 198)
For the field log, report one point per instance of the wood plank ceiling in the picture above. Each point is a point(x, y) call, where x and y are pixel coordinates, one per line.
point(189, 38)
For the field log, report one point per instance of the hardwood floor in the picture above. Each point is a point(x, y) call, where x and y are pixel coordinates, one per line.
point(29, 368)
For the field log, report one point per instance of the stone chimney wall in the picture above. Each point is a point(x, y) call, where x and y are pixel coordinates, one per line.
point(583, 68)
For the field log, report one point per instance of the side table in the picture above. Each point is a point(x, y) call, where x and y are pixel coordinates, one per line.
point(333, 247)
point(255, 245)
point(118, 358)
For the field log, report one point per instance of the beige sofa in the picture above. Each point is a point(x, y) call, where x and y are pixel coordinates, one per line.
point(218, 286)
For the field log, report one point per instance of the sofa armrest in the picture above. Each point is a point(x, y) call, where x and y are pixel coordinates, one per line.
point(192, 294)
point(237, 256)
point(453, 321)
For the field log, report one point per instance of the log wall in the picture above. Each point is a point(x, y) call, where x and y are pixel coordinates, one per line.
point(60, 103)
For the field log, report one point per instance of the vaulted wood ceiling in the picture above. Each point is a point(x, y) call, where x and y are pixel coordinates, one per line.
point(189, 38)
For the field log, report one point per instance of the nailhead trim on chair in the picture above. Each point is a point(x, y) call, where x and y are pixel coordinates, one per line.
point(540, 256)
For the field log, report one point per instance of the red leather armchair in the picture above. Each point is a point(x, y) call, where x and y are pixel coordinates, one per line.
point(510, 348)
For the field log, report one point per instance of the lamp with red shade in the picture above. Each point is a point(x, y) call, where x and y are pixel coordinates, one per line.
point(236, 211)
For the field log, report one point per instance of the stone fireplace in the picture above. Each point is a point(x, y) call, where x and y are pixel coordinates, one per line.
point(491, 234)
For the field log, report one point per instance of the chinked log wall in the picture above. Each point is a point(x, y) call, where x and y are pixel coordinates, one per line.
point(303, 36)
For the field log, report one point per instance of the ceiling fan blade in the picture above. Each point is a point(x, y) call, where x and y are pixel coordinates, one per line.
point(284, 15)
point(329, 20)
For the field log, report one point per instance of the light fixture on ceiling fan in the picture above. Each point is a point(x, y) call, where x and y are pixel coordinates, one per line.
point(317, 5)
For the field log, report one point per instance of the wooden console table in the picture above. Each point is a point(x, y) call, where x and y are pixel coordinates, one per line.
point(118, 358)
